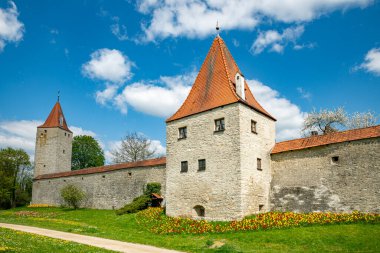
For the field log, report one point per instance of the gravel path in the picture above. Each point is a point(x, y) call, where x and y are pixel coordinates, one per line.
point(90, 240)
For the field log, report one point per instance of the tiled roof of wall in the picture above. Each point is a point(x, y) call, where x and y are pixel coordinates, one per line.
point(320, 140)
point(106, 168)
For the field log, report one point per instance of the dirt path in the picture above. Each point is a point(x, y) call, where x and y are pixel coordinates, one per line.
point(90, 240)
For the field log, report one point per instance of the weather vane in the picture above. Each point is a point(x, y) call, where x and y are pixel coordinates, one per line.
point(217, 27)
point(58, 95)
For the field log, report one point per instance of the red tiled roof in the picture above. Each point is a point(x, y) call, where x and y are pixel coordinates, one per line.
point(320, 140)
point(120, 166)
point(53, 120)
point(214, 85)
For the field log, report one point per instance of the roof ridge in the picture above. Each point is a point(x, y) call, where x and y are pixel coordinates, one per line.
point(226, 69)
point(323, 135)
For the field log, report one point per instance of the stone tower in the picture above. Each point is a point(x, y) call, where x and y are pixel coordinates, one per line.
point(53, 144)
point(218, 145)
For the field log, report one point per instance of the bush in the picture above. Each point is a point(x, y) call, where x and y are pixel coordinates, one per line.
point(152, 188)
point(72, 195)
point(138, 204)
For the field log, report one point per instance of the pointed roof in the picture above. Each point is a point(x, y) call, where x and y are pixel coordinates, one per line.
point(215, 85)
point(56, 118)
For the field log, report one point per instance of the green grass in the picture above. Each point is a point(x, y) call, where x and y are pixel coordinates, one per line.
point(16, 241)
point(358, 237)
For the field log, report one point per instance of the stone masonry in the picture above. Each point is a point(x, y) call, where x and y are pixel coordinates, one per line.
point(309, 180)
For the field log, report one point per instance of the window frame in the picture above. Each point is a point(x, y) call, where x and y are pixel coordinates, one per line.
point(203, 162)
point(259, 164)
point(253, 125)
point(180, 137)
point(182, 166)
point(221, 120)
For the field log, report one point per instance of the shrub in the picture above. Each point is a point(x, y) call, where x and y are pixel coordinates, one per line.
point(142, 202)
point(72, 195)
point(138, 204)
point(152, 188)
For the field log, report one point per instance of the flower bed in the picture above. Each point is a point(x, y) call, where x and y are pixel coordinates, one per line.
point(157, 222)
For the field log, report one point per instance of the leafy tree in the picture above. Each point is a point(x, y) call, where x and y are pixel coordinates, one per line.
point(86, 153)
point(134, 147)
point(72, 195)
point(14, 168)
point(329, 121)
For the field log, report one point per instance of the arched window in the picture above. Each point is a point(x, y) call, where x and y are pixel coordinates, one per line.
point(200, 210)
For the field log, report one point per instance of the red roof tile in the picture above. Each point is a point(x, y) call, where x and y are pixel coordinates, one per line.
point(214, 85)
point(320, 140)
point(53, 120)
point(106, 168)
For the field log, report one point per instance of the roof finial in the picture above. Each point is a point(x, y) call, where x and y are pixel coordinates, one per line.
point(58, 95)
point(217, 28)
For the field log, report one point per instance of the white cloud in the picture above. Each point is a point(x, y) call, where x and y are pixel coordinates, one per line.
point(304, 94)
point(371, 62)
point(158, 97)
point(102, 97)
point(197, 18)
point(276, 41)
point(11, 29)
point(289, 116)
point(120, 31)
point(108, 65)
point(22, 134)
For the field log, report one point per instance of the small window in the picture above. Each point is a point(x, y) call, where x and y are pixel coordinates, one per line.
point(63, 151)
point(261, 207)
point(68, 135)
point(44, 165)
point(61, 121)
point(45, 131)
point(201, 164)
point(259, 164)
point(334, 159)
point(103, 176)
point(184, 166)
point(182, 133)
point(129, 174)
point(253, 126)
point(219, 125)
point(65, 134)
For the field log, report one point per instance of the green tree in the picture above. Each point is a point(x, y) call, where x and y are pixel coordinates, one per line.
point(86, 153)
point(72, 195)
point(14, 165)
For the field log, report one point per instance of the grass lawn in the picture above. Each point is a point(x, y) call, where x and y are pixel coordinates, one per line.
point(16, 241)
point(104, 223)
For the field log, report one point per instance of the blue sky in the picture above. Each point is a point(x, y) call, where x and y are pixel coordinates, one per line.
point(126, 66)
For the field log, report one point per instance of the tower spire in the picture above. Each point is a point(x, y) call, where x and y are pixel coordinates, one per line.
point(217, 28)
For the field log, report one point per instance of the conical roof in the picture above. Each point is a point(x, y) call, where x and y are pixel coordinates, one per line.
point(56, 118)
point(215, 85)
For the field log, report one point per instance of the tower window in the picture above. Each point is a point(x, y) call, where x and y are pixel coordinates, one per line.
point(182, 133)
point(63, 151)
point(219, 125)
point(201, 164)
point(129, 174)
point(65, 134)
point(184, 166)
point(200, 210)
point(68, 135)
point(253, 126)
point(259, 164)
point(61, 120)
point(45, 131)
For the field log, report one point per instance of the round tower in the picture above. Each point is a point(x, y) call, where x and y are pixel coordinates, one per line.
point(53, 144)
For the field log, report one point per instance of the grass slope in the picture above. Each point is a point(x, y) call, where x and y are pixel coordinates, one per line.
point(104, 223)
point(17, 241)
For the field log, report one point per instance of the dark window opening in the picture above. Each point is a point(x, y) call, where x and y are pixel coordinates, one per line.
point(63, 151)
point(103, 176)
point(182, 133)
point(184, 166)
point(200, 210)
point(253, 126)
point(129, 174)
point(201, 164)
point(259, 164)
point(65, 134)
point(45, 131)
point(335, 159)
point(261, 207)
point(219, 125)
point(44, 165)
